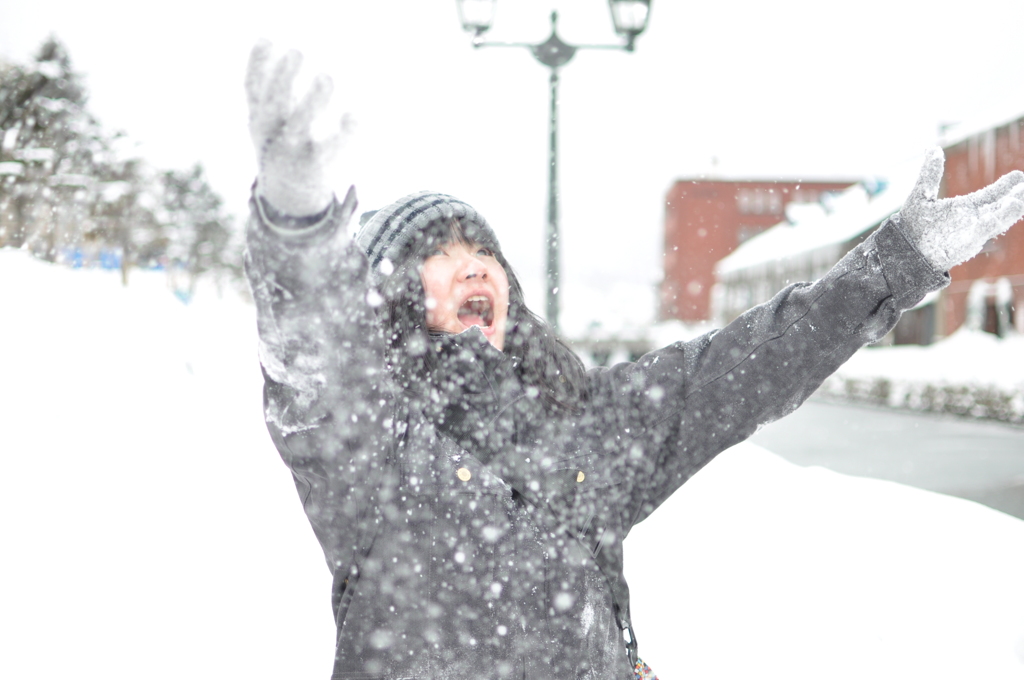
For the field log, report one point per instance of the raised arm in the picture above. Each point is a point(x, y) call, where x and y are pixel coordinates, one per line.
point(683, 404)
point(326, 404)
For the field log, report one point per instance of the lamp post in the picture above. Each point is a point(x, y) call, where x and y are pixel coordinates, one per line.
point(630, 19)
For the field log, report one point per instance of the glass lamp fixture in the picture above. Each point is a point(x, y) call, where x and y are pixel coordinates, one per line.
point(476, 15)
point(630, 18)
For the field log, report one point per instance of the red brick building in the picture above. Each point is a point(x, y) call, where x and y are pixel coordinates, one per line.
point(972, 162)
point(705, 220)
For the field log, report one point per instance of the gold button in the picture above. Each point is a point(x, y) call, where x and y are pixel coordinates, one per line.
point(580, 477)
point(464, 474)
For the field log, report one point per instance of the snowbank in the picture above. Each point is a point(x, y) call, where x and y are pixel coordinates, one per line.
point(970, 373)
point(150, 530)
point(759, 568)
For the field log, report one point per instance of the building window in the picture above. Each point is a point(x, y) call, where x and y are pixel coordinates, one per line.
point(759, 201)
point(805, 196)
point(990, 307)
point(916, 326)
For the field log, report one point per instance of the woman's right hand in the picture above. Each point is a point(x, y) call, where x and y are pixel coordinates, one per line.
point(292, 161)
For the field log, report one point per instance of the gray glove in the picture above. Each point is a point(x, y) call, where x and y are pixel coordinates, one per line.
point(292, 162)
point(953, 230)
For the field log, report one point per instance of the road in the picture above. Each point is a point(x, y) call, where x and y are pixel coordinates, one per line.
point(978, 460)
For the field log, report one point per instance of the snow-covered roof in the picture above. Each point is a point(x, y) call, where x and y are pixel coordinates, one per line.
point(815, 226)
point(959, 132)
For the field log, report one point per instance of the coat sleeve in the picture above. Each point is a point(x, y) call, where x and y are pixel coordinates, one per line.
point(326, 401)
point(672, 411)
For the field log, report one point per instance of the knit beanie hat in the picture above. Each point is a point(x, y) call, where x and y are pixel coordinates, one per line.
point(391, 232)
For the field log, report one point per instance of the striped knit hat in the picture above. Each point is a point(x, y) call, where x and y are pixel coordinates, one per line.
point(392, 231)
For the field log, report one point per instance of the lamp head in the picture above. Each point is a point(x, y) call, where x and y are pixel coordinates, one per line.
point(630, 18)
point(476, 15)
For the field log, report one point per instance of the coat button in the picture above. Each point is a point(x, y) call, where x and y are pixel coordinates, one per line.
point(580, 477)
point(464, 474)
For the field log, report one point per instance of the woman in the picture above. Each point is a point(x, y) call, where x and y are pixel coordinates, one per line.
point(469, 482)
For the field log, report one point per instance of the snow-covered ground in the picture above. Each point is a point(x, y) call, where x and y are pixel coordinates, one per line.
point(148, 528)
point(970, 372)
point(965, 357)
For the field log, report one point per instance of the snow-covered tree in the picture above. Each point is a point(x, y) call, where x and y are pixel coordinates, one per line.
point(197, 231)
point(65, 194)
point(50, 142)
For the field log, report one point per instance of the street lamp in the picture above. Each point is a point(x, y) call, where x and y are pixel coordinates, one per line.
point(630, 19)
point(476, 15)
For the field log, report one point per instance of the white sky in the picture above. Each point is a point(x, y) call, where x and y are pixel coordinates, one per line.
point(792, 88)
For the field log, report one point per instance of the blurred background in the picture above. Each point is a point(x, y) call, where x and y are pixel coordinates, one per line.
point(789, 91)
point(739, 148)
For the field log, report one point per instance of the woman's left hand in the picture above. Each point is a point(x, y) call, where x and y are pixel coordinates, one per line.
point(950, 231)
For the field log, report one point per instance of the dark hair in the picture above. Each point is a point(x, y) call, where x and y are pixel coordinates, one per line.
point(540, 358)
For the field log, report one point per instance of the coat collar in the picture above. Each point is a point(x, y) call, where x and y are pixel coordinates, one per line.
point(477, 384)
point(487, 412)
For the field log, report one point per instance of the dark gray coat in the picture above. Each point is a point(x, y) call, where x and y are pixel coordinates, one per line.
point(472, 530)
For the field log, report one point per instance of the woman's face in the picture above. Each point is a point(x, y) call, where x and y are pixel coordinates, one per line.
point(466, 286)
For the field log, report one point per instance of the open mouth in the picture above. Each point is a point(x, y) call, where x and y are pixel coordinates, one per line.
point(476, 311)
